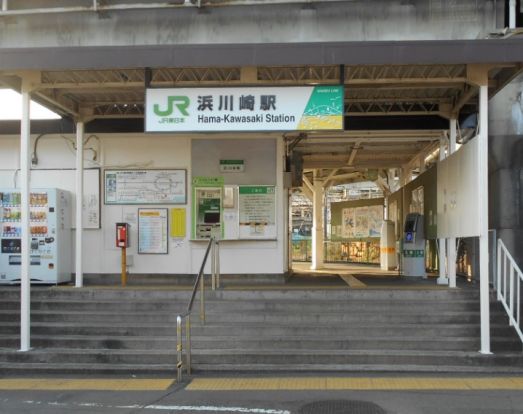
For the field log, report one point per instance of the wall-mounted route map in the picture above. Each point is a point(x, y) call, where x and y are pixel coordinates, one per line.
point(145, 186)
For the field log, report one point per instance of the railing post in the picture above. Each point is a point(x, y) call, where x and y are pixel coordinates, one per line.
point(188, 343)
point(179, 363)
point(217, 264)
point(518, 302)
point(213, 265)
point(202, 299)
point(511, 299)
point(505, 275)
point(498, 278)
point(494, 260)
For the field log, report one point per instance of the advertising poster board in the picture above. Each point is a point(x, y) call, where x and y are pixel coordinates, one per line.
point(361, 222)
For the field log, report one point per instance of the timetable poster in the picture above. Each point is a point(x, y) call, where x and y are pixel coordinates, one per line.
point(153, 231)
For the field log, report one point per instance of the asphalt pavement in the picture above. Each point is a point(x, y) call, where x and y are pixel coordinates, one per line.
point(313, 394)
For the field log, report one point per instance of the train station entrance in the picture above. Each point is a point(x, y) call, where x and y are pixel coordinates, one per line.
point(162, 157)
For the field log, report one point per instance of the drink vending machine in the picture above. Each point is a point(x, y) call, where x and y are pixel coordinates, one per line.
point(50, 239)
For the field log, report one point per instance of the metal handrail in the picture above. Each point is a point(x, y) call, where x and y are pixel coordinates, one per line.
point(509, 291)
point(187, 314)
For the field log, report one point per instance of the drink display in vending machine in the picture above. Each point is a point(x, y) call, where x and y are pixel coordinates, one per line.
point(50, 236)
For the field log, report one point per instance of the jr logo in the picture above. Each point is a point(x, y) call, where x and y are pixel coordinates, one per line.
point(181, 102)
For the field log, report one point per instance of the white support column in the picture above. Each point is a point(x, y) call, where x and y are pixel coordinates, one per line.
point(483, 217)
point(5, 5)
point(442, 248)
point(451, 242)
point(317, 224)
point(79, 279)
point(25, 277)
point(512, 14)
point(452, 136)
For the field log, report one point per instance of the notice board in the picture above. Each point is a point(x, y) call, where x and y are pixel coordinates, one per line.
point(145, 186)
point(152, 231)
point(257, 211)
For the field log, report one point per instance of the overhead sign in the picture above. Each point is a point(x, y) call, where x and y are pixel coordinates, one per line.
point(300, 108)
point(232, 166)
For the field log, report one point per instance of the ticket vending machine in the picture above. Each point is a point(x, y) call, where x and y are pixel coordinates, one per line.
point(208, 212)
point(414, 246)
point(50, 240)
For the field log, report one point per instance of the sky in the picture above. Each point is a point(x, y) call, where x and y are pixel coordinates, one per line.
point(11, 107)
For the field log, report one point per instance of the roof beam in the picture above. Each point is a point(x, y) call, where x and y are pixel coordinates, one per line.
point(353, 153)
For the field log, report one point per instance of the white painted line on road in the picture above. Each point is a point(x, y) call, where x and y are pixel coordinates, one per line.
point(157, 407)
point(215, 409)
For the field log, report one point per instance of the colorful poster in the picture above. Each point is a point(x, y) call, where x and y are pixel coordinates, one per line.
point(375, 214)
point(361, 222)
point(348, 222)
point(291, 108)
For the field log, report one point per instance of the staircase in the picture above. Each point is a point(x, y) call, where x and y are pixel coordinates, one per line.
point(79, 331)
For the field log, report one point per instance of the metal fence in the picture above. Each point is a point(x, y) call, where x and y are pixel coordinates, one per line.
point(508, 286)
point(339, 251)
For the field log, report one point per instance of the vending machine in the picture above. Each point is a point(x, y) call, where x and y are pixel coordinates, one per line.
point(414, 246)
point(50, 239)
point(208, 212)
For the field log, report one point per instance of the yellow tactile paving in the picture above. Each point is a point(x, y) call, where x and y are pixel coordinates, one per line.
point(369, 384)
point(352, 281)
point(92, 384)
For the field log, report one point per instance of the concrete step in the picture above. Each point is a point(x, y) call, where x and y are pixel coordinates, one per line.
point(264, 356)
point(363, 330)
point(242, 330)
point(61, 368)
point(38, 293)
point(87, 356)
point(169, 370)
point(232, 306)
point(268, 317)
point(108, 306)
point(225, 342)
point(359, 357)
point(337, 368)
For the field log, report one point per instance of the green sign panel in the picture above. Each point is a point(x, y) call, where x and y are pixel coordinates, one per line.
point(256, 189)
point(207, 181)
point(413, 253)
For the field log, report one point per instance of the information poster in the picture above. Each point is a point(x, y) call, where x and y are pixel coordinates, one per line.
point(145, 186)
point(362, 222)
point(257, 212)
point(152, 231)
point(178, 223)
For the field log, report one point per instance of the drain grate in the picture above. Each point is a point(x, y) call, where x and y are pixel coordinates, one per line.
point(341, 407)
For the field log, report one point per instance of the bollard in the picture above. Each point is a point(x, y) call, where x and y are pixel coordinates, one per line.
point(124, 266)
point(179, 363)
